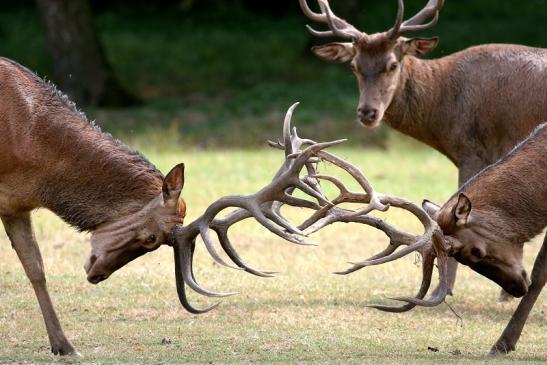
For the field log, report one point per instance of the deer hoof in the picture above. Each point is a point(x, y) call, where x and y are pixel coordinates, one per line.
point(65, 350)
point(501, 348)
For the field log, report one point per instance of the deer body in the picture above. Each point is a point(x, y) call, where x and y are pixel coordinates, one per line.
point(472, 106)
point(52, 157)
point(490, 218)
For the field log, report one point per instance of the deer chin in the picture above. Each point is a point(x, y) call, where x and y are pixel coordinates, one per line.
point(514, 280)
point(100, 267)
point(370, 123)
point(92, 267)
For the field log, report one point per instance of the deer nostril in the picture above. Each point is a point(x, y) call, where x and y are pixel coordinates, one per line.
point(367, 113)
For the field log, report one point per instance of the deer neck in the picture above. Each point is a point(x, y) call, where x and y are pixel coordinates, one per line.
point(95, 179)
point(510, 194)
point(412, 109)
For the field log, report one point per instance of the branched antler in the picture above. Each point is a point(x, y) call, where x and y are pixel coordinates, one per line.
point(338, 26)
point(430, 244)
point(417, 22)
point(263, 206)
point(342, 29)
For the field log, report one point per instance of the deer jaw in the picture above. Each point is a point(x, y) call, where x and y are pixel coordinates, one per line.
point(114, 244)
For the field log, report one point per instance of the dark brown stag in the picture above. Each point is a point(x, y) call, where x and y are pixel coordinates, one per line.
point(490, 218)
point(472, 106)
point(51, 156)
point(484, 225)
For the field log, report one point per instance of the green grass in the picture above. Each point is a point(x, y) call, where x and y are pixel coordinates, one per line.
point(305, 315)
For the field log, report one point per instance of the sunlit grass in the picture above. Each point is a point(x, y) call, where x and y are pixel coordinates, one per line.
point(306, 314)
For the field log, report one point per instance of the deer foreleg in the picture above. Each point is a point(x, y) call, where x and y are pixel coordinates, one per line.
point(20, 233)
point(508, 340)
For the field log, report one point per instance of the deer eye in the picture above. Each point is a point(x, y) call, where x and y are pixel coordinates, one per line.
point(151, 239)
point(476, 252)
point(392, 67)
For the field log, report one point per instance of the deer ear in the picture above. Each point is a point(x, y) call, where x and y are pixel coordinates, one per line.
point(335, 52)
point(173, 184)
point(462, 210)
point(420, 46)
point(431, 208)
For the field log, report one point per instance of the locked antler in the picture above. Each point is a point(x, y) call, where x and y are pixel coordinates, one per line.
point(430, 244)
point(264, 206)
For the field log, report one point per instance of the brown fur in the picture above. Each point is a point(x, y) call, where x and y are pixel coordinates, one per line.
point(472, 106)
point(490, 218)
point(509, 196)
point(51, 156)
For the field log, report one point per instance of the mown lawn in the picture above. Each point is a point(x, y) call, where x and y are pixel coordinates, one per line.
point(305, 314)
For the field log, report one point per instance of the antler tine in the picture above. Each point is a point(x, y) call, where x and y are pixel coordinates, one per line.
point(394, 31)
point(433, 7)
point(181, 290)
point(430, 244)
point(263, 206)
point(338, 27)
point(428, 260)
point(416, 23)
point(440, 251)
point(184, 256)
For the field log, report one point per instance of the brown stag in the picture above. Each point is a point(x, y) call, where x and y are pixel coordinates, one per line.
point(51, 156)
point(484, 225)
point(490, 218)
point(472, 106)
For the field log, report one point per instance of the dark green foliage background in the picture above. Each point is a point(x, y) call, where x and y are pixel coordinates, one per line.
point(238, 65)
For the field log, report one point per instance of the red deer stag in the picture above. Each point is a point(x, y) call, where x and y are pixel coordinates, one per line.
point(51, 156)
point(472, 106)
point(491, 217)
point(484, 225)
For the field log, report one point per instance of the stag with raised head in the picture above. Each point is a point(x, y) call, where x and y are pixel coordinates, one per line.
point(51, 156)
point(472, 106)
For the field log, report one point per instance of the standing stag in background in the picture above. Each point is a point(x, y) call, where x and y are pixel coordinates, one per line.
point(472, 106)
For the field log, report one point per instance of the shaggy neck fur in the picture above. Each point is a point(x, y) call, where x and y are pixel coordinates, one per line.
point(510, 196)
point(86, 177)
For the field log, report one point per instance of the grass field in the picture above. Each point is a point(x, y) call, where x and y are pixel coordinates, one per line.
point(305, 315)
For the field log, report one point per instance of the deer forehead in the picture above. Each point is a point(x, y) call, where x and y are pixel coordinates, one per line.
point(374, 58)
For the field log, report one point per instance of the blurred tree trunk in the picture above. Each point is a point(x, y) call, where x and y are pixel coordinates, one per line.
point(80, 67)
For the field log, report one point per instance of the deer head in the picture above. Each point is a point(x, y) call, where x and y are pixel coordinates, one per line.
point(478, 242)
point(376, 59)
point(115, 244)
